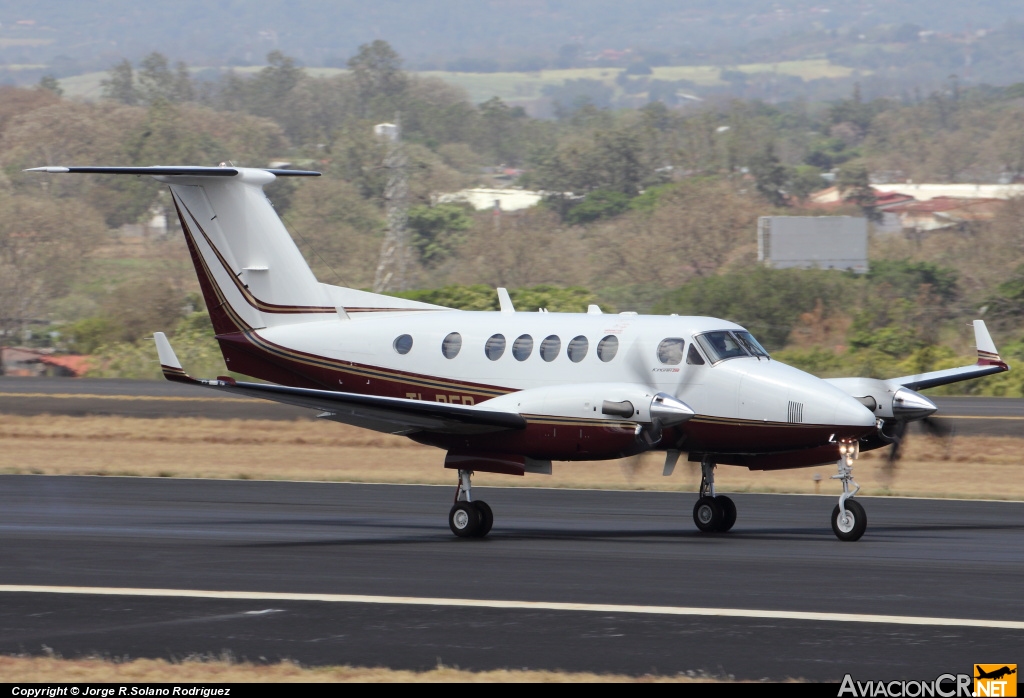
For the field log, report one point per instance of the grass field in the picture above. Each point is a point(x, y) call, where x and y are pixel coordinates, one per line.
point(969, 467)
point(98, 670)
point(528, 86)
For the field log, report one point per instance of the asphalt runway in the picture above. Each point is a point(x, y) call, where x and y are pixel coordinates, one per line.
point(921, 561)
point(155, 399)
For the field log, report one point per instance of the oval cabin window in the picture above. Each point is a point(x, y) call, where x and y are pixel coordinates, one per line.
point(670, 351)
point(522, 347)
point(495, 347)
point(451, 345)
point(578, 349)
point(607, 348)
point(550, 347)
point(403, 344)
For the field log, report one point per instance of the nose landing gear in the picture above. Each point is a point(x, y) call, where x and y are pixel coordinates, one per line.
point(469, 518)
point(712, 513)
point(848, 518)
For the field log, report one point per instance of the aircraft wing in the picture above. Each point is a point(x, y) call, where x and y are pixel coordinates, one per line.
point(989, 362)
point(385, 414)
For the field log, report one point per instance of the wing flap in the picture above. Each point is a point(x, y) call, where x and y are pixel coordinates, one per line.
point(391, 414)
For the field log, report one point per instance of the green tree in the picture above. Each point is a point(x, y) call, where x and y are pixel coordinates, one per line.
point(770, 175)
point(155, 79)
point(804, 180)
point(437, 230)
point(119, 85)
point(380, 82)
point(855, 185)
point(500, 130)
point(270, 91)
point(51, 84)
point(598, 204)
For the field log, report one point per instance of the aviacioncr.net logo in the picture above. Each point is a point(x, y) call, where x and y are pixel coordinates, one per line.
point(944, 686)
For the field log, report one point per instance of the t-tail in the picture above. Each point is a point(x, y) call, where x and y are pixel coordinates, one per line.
point(252, 274)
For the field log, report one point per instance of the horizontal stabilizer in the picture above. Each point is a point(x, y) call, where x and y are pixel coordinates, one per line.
point(169, 171)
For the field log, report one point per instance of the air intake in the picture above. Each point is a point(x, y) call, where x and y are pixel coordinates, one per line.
point(796, 412)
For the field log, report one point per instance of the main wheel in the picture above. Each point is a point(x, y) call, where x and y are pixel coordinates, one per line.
point(850, 527)
point(464, 519)
point(486, 518)
point(707, 514)
point(728, 512)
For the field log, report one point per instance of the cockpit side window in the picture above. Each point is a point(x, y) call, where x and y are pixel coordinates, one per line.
point(693, 356)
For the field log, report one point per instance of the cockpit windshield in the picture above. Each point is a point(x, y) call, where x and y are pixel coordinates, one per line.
point(752, 345)
point(729, 344)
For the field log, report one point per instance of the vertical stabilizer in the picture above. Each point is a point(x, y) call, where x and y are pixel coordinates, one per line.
point(251, 271)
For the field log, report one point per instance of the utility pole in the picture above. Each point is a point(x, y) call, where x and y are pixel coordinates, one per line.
point(394, 253)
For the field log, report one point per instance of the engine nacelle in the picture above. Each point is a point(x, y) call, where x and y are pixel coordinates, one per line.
point(614, 402)
point(888, 402)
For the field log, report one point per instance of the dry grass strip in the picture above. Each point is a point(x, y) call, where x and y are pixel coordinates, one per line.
point(971, 467)
point(200, 670)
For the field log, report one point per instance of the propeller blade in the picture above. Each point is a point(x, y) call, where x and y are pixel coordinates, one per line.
point(937, 427)
point(898, 433)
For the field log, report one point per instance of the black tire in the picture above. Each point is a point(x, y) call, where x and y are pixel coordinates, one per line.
point(850, 530)
point(728, 508)
point(486, 518)
point(464, 519)
point(707, 514)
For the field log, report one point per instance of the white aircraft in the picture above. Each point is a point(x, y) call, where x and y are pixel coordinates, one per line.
point(508, 391)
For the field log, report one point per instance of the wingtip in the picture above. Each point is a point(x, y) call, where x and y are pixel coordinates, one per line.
point(169, 363)
point(988, 355)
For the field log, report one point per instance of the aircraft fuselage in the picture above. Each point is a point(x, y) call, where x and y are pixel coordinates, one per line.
point(557, 369)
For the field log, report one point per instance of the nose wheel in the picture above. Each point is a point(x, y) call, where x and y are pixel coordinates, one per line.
point(469, 518)
point(849, 523)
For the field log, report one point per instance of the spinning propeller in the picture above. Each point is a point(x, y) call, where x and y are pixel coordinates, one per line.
point(932, 426)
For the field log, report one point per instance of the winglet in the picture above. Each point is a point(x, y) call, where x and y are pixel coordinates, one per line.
point(169, 361)
point(988, 355)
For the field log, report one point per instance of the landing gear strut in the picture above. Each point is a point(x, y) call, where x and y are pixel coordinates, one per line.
point(848, 518)
point(469, 518)
point(712, 513)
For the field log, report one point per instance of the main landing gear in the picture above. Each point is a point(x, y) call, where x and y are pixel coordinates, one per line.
point(712, 513)
point(848, 518)
point(469, 518)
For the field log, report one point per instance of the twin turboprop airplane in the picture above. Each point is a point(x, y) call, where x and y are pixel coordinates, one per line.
point(510, 392)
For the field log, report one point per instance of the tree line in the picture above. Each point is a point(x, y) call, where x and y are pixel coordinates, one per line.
point(646, 209)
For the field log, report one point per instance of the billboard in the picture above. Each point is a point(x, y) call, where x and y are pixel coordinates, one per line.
point(813, 242)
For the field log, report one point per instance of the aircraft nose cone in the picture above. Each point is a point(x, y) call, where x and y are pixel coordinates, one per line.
point(670, 410)
point(908, 405)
